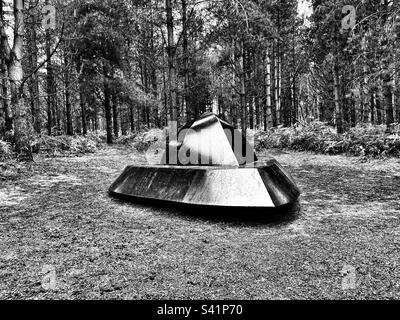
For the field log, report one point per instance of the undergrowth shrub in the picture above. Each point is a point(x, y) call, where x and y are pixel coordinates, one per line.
point(363, 140)
point(98, 137)
point(62, 145)
point(5, 151)
point(142, 140)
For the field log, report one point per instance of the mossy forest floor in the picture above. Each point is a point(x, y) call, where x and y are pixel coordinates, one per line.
point(63, 237)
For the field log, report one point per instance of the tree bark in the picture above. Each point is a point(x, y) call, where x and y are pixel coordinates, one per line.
point(277, 86)
point(293, 118)
point(107, 106)
point(22, 126)
point(95, 113)
point(33, 83)
point(115, 113)
point(396, 106)
point(372, 108)
point(268, 109)
point(132, 117)
point(50, 86)
point(8, 122)
point(338, 100)
point(388, 96)
point(257, 105)
point(5, 59)
point(185, 53)
point(82, 102)
point(258, 86)
point(249, 90)
point(378, 107)
point(67, 83)
point(242, 71)
point(366, 97)
point(165, 93)
point(171, 63)
point(122, 117)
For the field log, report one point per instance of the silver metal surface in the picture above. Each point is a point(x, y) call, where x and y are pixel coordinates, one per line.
point(262, 185)
point(230, 179)
point(210, 141)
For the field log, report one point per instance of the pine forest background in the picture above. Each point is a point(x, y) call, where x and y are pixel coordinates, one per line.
point(116, 68)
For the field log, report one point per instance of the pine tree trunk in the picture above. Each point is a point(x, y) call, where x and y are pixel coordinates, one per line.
point(396, 106)
point(165, 93)
point(171, 63)
point(257, 65)
point(95, 113)
point(35, 105)
point(293, 118)
point(107, 106)
point(372, 108)
point(366, 98)
point(249, 91)
point(68, 106)
point(8, 122)
point(22, 126)
point(115, 114)
point(233, 107)
point(277, 82)
point(257, 110)
point(338, 100)
point(33, 83)
point(378, 107)
point(82, 102)
point(388, 96)
point(132, 118)
point(277, 74)
point(268, 111)
point(124, 129)
point(185, 53)
point(6, 50)
point(50, 86)
point(243, 106)
point(155, 96)
point(317, 110)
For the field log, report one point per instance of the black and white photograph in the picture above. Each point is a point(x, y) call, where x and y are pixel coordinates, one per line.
point(199, 150)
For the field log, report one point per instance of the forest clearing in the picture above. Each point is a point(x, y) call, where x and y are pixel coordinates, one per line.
point(89, 87)
point(56, 215)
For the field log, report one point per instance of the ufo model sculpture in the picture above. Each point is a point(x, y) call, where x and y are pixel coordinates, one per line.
point(209, 163)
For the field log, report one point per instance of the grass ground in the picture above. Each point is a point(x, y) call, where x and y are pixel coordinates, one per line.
point(63, 237)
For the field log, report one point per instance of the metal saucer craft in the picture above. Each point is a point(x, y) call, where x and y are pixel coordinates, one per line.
point(211, 164)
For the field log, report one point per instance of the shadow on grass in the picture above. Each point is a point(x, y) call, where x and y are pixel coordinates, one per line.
point(235, 216)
